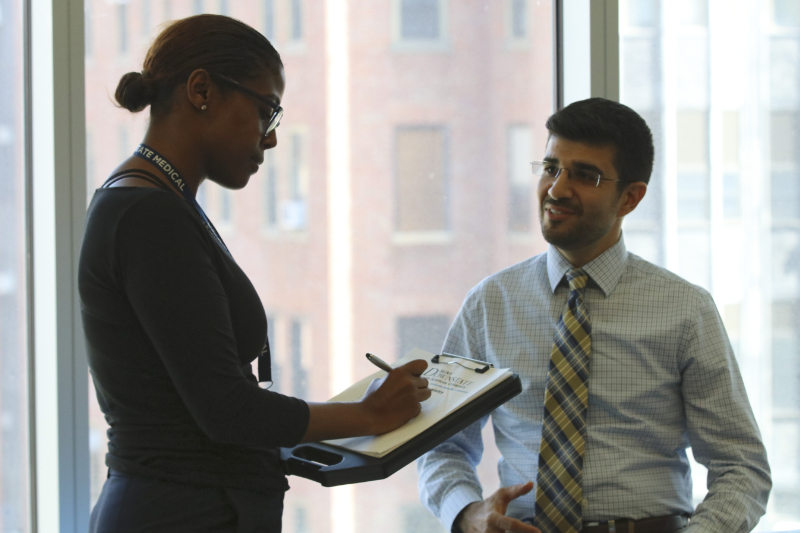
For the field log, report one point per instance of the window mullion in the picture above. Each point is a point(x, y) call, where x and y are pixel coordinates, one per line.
point(58, 203)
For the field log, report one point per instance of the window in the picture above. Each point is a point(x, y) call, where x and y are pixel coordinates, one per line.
point(293, 207)
point(419, 24)
point(420, 19)
point(88, 24)
point(269, 19)
point(730, 165)
point(284, 178)
point(270, 183)
point(520, 180)
point(275, 365)
point(122, 27)
point(692, 163)
point(146, 17)
point(425, 332)
point(421, 181)
point(726, 214)
point(783, 157)
point(298, 353)
point(517, 19)
point(296, 20)
point(419, 166)
point(786, 13)
point(15, 504)
point(198, 7)
point(225, 206)
point(643, 13)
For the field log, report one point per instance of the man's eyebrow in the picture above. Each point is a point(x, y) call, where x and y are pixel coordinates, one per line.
point(587, 166)
point(547, 159)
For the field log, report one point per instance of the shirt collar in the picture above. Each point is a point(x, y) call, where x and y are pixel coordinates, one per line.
point(605, 270)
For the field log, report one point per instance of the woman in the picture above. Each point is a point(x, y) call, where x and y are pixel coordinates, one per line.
point(172, 323)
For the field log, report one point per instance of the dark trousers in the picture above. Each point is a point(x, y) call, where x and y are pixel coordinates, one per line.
point(131, 504)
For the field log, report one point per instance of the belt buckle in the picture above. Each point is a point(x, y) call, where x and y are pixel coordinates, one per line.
point(612, 527)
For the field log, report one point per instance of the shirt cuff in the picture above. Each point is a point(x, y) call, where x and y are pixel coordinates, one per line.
point(456, 500)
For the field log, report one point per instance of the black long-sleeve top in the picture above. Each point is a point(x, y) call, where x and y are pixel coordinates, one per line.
point(172, 324)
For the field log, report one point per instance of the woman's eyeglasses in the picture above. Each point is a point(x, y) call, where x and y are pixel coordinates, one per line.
point(277, 111)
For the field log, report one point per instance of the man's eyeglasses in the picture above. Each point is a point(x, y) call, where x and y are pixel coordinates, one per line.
point(582, 177)
point(277, 111)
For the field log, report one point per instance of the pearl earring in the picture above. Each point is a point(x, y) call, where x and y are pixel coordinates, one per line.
point(203, 107)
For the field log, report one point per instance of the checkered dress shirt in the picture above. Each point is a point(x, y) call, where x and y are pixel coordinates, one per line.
point(663, 377)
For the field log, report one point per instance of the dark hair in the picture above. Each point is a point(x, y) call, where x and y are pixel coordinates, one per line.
point(598, 121)
point(219, 44)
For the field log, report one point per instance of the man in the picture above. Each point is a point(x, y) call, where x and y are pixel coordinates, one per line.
point(624, 365)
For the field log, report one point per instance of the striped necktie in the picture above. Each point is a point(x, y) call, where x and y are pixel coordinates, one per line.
point(558, 487)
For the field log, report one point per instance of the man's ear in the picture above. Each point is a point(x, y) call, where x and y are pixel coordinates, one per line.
point(630, 197)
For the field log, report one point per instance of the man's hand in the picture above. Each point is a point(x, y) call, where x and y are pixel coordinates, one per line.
point(489, 516)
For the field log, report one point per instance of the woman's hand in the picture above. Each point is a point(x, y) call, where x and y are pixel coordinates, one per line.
point(388, 403)
point(395, 399)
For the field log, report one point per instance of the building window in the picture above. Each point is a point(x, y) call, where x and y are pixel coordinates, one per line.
point(301, 522)
point(420, 20)
point(730, 165)
point(426, 332)
point(296, 20)
point(694, 201)
point(223, 7)
point(198, 7)
point(786, 13)
point(692, 12)
point(147, 17)
point(643, 13)
point(123, 142)
point(225, 205)
point(122, 28)
point(269, 19)
point(275, 365)
point(88, 44)
point(294, 209)
point(420, 179)
point(784, 140)
point(517, 19)
point(285, 195)
point(298, 354)
point(520, 179)
point(270, 180)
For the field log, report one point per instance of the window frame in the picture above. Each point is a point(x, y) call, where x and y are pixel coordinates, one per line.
point(55, 176)
point(440, 44)
point(56, 200)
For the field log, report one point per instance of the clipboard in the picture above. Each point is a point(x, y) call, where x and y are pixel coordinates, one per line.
point(331, 466)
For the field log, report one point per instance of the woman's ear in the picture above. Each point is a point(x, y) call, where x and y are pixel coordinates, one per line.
point(199, 89)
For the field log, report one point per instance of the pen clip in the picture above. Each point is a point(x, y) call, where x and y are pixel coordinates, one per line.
point(482, 369)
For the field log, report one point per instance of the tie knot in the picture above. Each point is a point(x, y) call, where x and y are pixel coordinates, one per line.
point(577, 279)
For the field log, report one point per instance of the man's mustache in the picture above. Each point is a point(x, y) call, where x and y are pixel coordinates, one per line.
point(561, 203)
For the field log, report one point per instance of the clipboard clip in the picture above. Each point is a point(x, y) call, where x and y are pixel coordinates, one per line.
point(482, 368)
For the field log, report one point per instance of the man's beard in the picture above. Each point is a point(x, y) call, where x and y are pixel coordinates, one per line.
point(585, 232)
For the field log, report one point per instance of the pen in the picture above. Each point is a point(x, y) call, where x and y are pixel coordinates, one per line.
point(380, 363)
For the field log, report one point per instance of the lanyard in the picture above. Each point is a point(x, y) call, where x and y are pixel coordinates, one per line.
point(169, 170)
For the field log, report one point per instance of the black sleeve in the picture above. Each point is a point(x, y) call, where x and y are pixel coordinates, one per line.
point(169, 267)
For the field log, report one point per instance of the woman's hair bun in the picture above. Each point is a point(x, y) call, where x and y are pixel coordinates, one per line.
point(134, 92)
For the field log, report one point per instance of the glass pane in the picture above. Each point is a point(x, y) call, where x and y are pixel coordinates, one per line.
point(14, 453)
point(718, 84)
point(440, 190)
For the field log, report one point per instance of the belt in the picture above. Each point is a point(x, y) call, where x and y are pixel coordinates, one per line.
point(657, 524)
